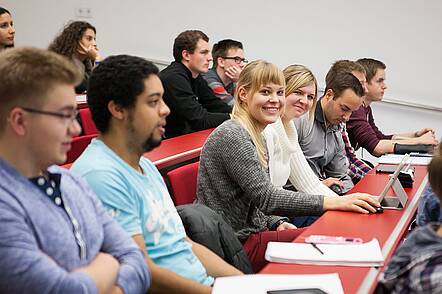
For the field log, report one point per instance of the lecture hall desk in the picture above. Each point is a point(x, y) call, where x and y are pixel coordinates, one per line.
point(173, 151)
point(389, 228)
point(179, 149)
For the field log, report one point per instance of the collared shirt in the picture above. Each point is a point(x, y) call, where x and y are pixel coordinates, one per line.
point(222, 91)
point(357, 168)
point(323, 147)
point(39, 249)
point(429, 209)
point(416, 266)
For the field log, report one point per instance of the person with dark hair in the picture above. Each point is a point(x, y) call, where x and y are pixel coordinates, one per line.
point(192, 103)
point(56, 237)
point(7, 31)
point(417, 264)
point(357, 168)
point(228, 62)
point(77, 41)
point(125, 98)
point(321, 139)
point(361, 127)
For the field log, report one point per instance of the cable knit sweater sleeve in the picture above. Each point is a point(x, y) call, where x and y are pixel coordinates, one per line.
point(233, 182)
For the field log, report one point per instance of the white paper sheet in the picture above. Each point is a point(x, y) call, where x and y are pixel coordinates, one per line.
point(260, 284)
point(365, 254)
point(397, 158)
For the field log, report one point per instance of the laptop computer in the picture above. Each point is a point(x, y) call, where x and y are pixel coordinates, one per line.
point(398, 202)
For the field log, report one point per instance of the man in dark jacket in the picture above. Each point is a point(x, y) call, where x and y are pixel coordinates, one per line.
point(193, 106)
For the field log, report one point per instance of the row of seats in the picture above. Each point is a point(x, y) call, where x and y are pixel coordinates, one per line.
point(182, 180)
point(183, 183)
point(89, 132)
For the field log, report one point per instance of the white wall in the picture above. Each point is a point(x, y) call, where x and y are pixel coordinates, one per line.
point(404, 34)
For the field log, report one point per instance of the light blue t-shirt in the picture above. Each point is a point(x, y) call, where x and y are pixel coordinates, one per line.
point(142, 205)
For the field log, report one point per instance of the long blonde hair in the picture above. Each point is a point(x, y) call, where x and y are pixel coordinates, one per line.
point(255, 75)
point(298, 76)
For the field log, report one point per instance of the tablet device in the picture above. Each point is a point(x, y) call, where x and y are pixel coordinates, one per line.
point(398, 202)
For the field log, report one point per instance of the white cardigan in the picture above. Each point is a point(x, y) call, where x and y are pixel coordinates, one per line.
point(287, 162)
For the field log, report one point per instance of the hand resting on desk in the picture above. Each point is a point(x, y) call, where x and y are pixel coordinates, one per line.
point(356, 202)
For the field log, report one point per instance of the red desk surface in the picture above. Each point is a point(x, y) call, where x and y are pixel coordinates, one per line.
point(392, 223)
point(176, 150)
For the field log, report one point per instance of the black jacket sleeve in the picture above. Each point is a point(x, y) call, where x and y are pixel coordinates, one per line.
point(201, 112)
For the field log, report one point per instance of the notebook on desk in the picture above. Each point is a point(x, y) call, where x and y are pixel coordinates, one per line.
point(398, 202)
point(363, 254)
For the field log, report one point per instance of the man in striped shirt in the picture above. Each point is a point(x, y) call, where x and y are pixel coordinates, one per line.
point(228, 62)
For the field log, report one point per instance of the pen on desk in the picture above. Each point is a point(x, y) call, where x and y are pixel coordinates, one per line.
point(317, 248)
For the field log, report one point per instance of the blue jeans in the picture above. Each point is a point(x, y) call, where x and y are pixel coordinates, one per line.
point(304, 221)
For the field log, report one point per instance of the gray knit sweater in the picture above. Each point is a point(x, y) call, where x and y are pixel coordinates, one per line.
point(232, 182)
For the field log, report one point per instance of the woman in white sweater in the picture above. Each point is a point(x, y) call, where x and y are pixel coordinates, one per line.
point(286, 159)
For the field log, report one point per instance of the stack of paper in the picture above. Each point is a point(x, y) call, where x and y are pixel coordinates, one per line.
point(365, 254)
point(397, 158)
point(263, 284)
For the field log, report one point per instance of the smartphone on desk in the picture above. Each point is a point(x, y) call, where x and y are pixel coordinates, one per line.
point(297, 291)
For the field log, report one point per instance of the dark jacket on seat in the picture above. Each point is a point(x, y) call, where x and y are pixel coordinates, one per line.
point(206, 227)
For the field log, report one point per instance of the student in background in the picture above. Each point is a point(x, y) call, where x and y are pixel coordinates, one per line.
point(193, 106)
point(7, 31)
point(357, 168)
point(233, 178)
point(125, 98)
point(361, 127)
point(417, 264)
point(321, 139)
point(77, 41)
point(228, 62)
point(55, 235)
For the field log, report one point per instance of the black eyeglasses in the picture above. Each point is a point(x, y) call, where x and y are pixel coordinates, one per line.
point(65, 116)
point(237, 59)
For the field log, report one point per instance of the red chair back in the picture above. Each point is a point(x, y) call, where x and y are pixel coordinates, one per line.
point(183, 181)
point(78, 145)
point(87, 123)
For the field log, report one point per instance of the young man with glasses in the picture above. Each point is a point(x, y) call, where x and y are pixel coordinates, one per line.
point(55, 235)
point(228, 62)
point(193, 106)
